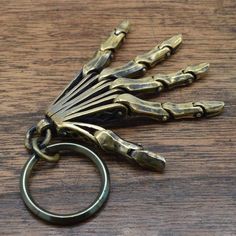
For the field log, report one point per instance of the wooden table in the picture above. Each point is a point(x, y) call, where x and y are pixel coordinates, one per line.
point(42, 46)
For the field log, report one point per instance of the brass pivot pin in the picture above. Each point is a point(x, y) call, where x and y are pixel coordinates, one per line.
point(100, 95)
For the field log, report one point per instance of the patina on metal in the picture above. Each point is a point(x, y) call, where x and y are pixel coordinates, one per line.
point(100, 96)
point(65, 219)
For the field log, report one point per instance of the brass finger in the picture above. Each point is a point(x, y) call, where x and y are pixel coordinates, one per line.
point(140, 64)
point(104, 55)
point(111, 142)
point(167, 111)
point(160, 82)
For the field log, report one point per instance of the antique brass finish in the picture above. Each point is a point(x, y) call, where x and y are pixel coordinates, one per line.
point(65, 219)
point(100, 96)
point(104, 55)
point(109, 141)
point(139, 65)
point(160, 82)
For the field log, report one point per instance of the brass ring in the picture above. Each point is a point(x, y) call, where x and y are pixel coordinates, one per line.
point(40, 153)
point(30, 134)
point(65, 219)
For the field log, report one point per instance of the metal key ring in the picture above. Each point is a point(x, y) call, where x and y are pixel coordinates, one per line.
point(65, 218)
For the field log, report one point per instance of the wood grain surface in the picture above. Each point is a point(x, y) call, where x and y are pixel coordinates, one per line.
point(42, 46)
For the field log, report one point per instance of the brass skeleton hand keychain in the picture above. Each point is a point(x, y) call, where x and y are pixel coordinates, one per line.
point(98, 96)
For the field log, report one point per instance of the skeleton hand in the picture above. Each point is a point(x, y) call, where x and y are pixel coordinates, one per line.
point(100, 96)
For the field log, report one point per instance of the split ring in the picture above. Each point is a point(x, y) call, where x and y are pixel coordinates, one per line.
point(64, 219)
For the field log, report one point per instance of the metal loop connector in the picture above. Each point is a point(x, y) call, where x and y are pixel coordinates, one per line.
point(30, 134)
point(32, 143)
point(65, 219)
point(41, 152)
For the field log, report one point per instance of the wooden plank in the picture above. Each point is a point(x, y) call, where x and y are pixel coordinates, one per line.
point(42, 46)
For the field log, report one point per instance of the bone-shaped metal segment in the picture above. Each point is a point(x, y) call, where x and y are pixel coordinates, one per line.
point(111, 142)
point(160, 82)
point(104, 55)
point(139, 65)
point(101, 97)
point(167, 110)
point(160, 52)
